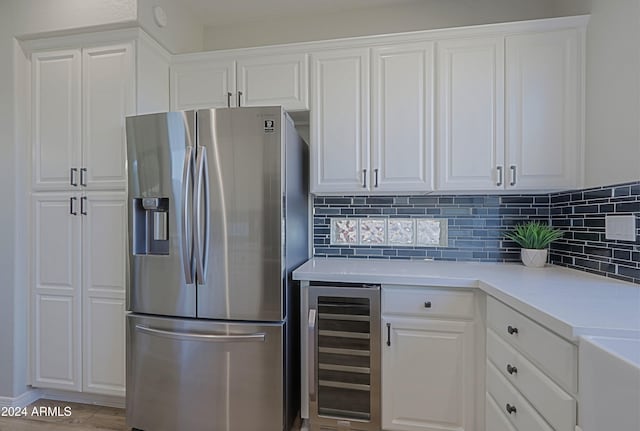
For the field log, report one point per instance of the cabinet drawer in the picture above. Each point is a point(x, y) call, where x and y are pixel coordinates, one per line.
point(495, 418)
point(557, 407)
point(524, 417)
point(557, 357)
point(427, 302)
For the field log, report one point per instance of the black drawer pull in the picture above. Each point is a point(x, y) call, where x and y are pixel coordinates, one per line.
point(511, 369)
point(427, 304)
point(511, 409)
point(511, 330)
point(388, 334)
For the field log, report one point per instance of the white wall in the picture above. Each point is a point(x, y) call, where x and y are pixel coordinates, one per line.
point(613, 93)
point(419, 15)
point(7, 197)
point(27, 17)
point(183, 32)
point(43, 16)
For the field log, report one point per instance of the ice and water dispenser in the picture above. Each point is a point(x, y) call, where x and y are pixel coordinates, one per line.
point(151, 226)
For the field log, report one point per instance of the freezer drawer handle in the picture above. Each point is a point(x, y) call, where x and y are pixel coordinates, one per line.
point(214, 338)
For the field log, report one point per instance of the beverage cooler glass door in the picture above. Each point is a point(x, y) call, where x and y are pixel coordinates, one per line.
point(344, 358)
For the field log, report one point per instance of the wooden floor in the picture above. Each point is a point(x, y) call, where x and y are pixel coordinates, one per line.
point(83, 417)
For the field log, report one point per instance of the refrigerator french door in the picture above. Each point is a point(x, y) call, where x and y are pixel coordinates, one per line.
point(217, 223)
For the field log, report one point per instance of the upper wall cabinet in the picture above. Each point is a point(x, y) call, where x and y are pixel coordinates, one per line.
point(543, 127)
point(509, 112)
point(402, 123)
point(56, 118)
point(393, 152)
point(108, 97)
point(340, 121)
point(471, 110)
point(80, 98)
point(251, 81)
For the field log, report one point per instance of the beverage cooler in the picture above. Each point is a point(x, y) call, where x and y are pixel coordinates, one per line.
point(341, 344)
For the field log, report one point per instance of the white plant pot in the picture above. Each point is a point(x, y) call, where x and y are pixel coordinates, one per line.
point(533, 258)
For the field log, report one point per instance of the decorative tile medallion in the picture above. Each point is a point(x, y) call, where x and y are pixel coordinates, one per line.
point(344, 231)
point(428, 232)
point(400, 231)
point(372, 231)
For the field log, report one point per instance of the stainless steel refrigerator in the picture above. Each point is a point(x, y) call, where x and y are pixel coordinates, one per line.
point(218, 217)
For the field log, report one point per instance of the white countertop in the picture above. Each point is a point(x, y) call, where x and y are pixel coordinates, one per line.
point(569, 302)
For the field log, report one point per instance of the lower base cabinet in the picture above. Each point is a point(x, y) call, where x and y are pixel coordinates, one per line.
point(78, 292)
point(428, 364)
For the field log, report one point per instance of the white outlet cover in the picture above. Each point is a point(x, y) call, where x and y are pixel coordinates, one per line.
point(621, 228)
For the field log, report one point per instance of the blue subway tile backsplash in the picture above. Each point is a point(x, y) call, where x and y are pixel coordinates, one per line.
point(475, 232)
point(584, 246)
point(477, 224)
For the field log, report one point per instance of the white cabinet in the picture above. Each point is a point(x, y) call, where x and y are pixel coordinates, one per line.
point(402, 123)
point(509, 112)
point(56, 279)
point(543, 132)
point(274, 80)
point(531, 373)
point(280, 79)
point(78, 295)
point(340, 121)
point(79, 245)
point(203, 84)
point(104, 245)
point(428, 360)
point(56, 118)
point(108, 96)
point(471, 110)
point(391, 151)
point(80, 99)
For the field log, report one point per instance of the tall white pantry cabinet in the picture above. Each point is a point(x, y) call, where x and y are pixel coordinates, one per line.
point(79, 99)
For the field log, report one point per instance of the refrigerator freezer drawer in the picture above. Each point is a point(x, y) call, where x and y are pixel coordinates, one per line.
point(204, 375)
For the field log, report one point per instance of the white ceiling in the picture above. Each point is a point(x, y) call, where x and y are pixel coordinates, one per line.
point(225, 12)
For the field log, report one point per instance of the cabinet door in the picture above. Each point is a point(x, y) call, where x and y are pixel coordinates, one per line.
point(203, 84)
point(542, 93)
point(402, 134)
point(340, 121)
point(55, 304)
point(108, 97)
point(427, 375)
point(104, 233)
point(274, 80)
point(56, 119)
point(470, 141)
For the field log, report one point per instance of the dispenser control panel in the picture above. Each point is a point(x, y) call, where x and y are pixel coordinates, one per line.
point(151, 225)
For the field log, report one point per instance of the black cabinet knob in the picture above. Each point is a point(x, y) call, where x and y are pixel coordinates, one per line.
point(511, 330)
point(511, 409)
point(511, 369)
point(427, 304)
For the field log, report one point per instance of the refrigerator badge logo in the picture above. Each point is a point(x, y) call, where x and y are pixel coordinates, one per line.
point(269, 126)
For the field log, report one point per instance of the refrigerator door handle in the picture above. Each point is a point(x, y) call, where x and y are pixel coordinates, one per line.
point(311, 351)
point(187, 265)
point(213, 338)
point(202, 231)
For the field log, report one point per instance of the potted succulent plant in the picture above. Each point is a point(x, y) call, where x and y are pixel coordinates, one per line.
point(534, 238)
